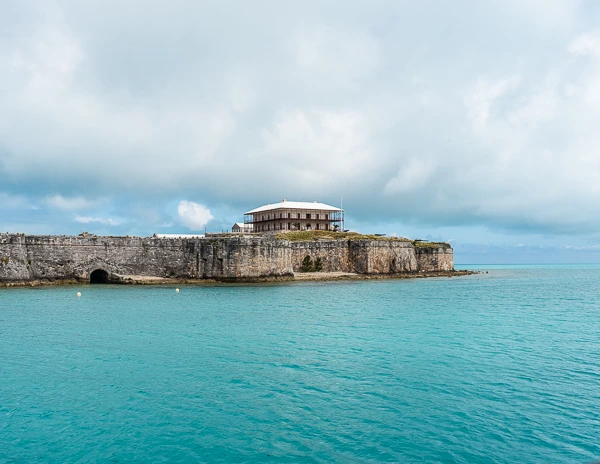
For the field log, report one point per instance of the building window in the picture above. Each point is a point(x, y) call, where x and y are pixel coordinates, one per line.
point(307, 226)
point(298, 215)
point(289, 226)
point(326, 226)
point(263, 218)
point(280, 226)
point(307, 215)
point(317, 226)
point(326, 216)
point(280, 215)
point(317, 215)
point(289, 215)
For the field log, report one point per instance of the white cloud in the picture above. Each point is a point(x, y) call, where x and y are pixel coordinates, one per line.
point(306, 101)
point(8, 201)
point(193, 215)
point(67, 203)
point(414, 174)
point(316, 145)
point(48, 65)
point(583, 247)
point(588, 43)
point(484, 94)
point(338, 55)
point(97, 220)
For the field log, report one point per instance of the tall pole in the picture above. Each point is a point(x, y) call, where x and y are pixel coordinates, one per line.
point(342, 208)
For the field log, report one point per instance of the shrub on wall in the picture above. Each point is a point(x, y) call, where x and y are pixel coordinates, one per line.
point(307, 264)
point(318, 265)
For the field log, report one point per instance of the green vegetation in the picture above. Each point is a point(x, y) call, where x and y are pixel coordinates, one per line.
point(423, 244)
point(318, 265)
point(307, 264)
point(308, 235)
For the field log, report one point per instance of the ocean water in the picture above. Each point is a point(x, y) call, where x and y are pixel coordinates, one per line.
point(501, 367)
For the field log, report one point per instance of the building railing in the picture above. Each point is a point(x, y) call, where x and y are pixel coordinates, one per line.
point(292, 219)
point(257, 219)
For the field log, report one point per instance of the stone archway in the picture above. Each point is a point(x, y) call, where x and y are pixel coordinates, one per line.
point(99, 276)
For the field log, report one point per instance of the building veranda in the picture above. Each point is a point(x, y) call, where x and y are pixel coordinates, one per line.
point(294, 215)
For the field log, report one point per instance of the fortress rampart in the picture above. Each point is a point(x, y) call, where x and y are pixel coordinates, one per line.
point(30, 258)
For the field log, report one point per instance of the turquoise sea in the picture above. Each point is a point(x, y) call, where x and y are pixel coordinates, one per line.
point(502, 367)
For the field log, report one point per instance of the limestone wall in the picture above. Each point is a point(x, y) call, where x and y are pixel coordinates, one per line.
point(240, 258)
point(24, 258)
point(435, 259)
point(368, 256)
point(382, 257)
point(29, 258)
point(334, 254)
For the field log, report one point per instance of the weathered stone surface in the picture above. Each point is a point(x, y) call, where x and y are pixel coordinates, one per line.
point(61, 258)
point(24, 258)
point(382, 257)
point(435, 259)
point(372, 256)
point(333, 254)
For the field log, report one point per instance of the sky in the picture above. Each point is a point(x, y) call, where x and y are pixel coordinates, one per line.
point(471, 122)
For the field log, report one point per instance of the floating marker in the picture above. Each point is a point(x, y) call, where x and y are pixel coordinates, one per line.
point(78, 294)
point(176, 290)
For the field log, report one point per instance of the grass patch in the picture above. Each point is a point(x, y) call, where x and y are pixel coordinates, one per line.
point(308, 235)
point(423, 244)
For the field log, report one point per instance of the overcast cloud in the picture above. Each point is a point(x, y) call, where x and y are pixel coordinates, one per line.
point(475, 122)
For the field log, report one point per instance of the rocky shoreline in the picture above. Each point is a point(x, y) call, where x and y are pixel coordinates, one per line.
point(331, 276)
point(297, 277)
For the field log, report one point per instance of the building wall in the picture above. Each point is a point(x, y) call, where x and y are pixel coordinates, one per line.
point(278, 220)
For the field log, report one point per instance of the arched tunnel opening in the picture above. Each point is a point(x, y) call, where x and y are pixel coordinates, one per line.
point(99, 276)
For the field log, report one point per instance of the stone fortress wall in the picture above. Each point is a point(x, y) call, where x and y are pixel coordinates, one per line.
point(29, 258)
point(373, 256)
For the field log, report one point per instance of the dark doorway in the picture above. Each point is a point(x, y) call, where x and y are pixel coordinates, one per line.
point(99, 277)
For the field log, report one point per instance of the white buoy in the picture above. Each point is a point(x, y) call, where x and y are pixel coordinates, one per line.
point(78, 294)
point(176, 290)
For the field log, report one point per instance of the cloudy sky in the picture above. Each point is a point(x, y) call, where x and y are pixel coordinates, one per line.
point(474, 122)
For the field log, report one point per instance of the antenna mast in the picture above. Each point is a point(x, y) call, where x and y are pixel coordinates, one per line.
point(342, 212)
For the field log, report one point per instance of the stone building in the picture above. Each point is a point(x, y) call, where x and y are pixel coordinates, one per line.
point(294, 215)
point(239, 228)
